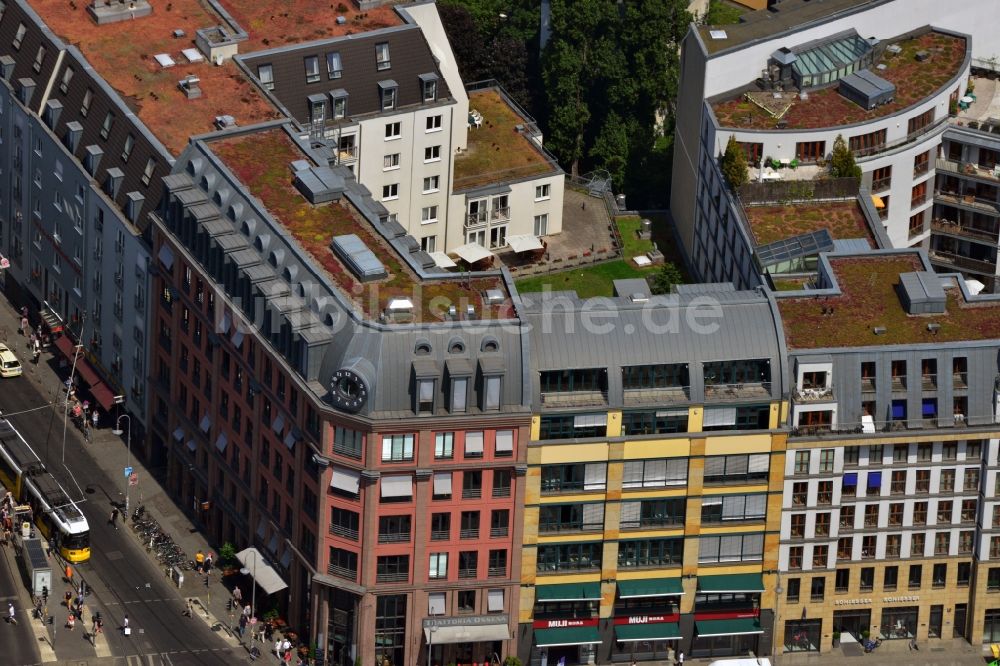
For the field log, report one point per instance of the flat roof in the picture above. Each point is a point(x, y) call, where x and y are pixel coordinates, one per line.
point(842, 219)
point(123, 53)
point(496, 152)
point(868, 297)
point(766, 23)
point(260, 160)
point(273, 23)
point(914, 80)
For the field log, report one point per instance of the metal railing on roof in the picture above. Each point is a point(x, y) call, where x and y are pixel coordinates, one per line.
point(797, 191)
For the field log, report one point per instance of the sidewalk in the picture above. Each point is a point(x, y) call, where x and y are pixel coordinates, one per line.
point(110, 454)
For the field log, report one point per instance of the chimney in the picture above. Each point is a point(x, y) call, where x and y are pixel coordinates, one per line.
point(25, 90)
point(93, 159)
point(74, 131)
point(53, 108)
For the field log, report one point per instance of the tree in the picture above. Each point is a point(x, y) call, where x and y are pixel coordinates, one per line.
point(665, 278)
point(842, 164)
point(611, 149)
point(734, 164)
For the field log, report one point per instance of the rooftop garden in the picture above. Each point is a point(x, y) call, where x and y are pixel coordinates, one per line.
point(123, 53)
point(261, 161)
point(496, 150)
point(774, 223)
point(272, 23)
point(868, 299)
point(914, 81)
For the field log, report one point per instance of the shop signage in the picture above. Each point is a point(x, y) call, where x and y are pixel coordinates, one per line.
point(560, 624)
point(473, 620)
point(898, 600)
point(726, 615)
point(852, 602)
point(647, 619)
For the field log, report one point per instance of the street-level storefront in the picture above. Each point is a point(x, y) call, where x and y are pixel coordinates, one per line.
point(727, 616)
point(465, 640)
point(646, 620)
point(802, 635)
point(565, 630)
point(899, 623)
point(853, 622)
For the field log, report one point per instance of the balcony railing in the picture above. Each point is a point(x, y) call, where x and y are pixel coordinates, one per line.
point(918, 200)
point(392, 577)
point(496, 532)
point(342, 572)
point(977, 265)
point(652, 396)
point(960, 380)
point(814, 394)
point(346, 532)
point(928, 381)
point(969, 169)
point(497, 572)
point(989, 206)
point(745, 390)
point(394, 537)
point(472, 493)
point(880, 184)
point(466, 573)
point(574, 398)
point(440, 535)
point(921, 168)
point(468, 533)
point(502, 491)
point(964, 231)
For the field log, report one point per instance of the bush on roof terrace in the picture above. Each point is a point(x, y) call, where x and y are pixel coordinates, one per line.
point(842, 164)
point(734, 164)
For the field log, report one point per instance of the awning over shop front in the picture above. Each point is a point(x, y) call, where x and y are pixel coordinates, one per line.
point(524, 243)
point(650, 587)
point(52, 321)
point(466, 633)
point(567, 636)
point(262, 572)
point(472, 252)
point(104, 396)
point(568, 592)
point(731, 583)
point(660, 631)
point(740, 627)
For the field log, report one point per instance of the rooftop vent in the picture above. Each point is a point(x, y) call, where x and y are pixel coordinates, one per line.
point(106, 11)
point(921, 293)
point(191, 86)
point(718, 34)
point(933, 328)
point(921, 56)
point(494, 296)
point(470, 312)
point(319, 184)
point(225, 122)
point(866, 89)
point(894, 49)
point(341, 20)
point(6, 67)
point(356, 255)
point(178, 33)
point(398, 309)
point(879, 330)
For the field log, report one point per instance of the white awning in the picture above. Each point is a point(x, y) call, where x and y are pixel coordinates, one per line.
point(524, 243)
point(505, 441)
point(474, 442)
point(442, 260)
point(347, 480)
point(442, 483)
point(590, 420)
point(719, 416)
point(221, 442)
point(468, 633)
point(472, 252)
point(166, 256)
point(397, 486)
point(262, 572)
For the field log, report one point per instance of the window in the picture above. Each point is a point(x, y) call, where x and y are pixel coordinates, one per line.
point(430, 87)
point(344, 523)
point(822, 526)
point(390, 192)
point(501, 483)
point(444, 445)
point(390, 162)
point(147, 173)
point(939, 574)
point(503, 445)
point(810, 151)
point(393, 130)
point(571, 556)
point(851, 455)
point(654, 473)
point(109, 121)
point(340, 107)
point(971, 483)
point(343, 563)
point(871, 515)
point(440, 526)
point(469, 528)
point(312, 69)
point(497, 564)
point(993, 579)
point(716, 509)
point(491, 392)
point(795, 558)
point(569, 426)
point(499, 523)
point(917, 123)
point(826, 461)
point(973, 451)
point(824, 492)
point(916, 224)
point(88, 97)
point(472, 484)
point(751, 468)
point(655, 422)
point(944, 512)
point(388, 97)
point(817, 588)
point(433, 123)
point(542, 191)
point(867, 144)
point(794, 585)
point(731, 548)
point(890, 578)
point(428, 214)
point(899, 453)
point(654, 513)
point(802, 462)
point(19, 36)
point(842, 581)
point(650, 553)
point(39, 58)
point(382, 56)
point(881, 178)
point(473, 441)
point(541, 224)
point(847, 517)
point(431, 184)
point(918, 544)
point(581, 476)
point(466, 601)
point(432, 154)
point(920, 513)
point(397, 448)
point(347, 442)
point(923, 480)
point(897, 484)
point(392, 568)
point(821, 556)
point(438, 566)
point(845, 548)
point(800, 493)
point(896, 513)
point(964, 574)
point(333, 66)
point(798, 528)
point(393, 529)
point(265, 74)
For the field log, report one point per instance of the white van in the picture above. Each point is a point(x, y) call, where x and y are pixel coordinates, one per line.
point(742, 661)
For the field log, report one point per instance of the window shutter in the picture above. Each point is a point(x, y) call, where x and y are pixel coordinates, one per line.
point(708, 549)
point(720, 416)
point(656, 473)
point(756, 506)
point(736, 465)
point(594, 476)
point(494, 601)
point(346, 479)
point(711, 501)
point(386, 447)
point(593, 514)
point(590, 420)
point(677, 471)
point(732, 508)
point(630, 514)
point(435, 603)
point(505, 441)
point(730, 548)
point(493, 402)
point(759, 462)
point(459, 391)
point(474, 443)
point(632, 474)
point(715, 466)
point(397, 486)
point(442, 483)
point(426, 390)
point(753, 546)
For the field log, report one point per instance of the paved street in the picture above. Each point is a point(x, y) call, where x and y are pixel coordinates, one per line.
point(18, 641)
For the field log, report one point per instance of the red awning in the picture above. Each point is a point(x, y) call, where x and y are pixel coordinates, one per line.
point(103, 395)
point(83, 369)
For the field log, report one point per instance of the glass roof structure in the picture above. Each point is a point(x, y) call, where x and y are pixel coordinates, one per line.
point(831, 58)
point(805, 245)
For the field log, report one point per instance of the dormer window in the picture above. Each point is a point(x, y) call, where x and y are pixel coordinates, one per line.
point(459, 393)
point(428, 87)
point(339, 99)
point(109, 121)
point(425, 396)
point(88, 97)
point(382, 56)
point(127, 149)
point(334, 69)
point(39, 58)
point(317, 109)
point(312, 69)
point(19, 36)
point(388, 91)
point(265, 73)
point(66, 78)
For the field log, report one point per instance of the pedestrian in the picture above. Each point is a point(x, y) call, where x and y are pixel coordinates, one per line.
point(79, 600)
point(67, 597)
point(189, 611)
point(125, 628)
point(237, 596)
point(286, 646)
point(268, 630)
point(24, 326)
point(243, 624)
point(99, 623)
point(288, 657)
point(247, 611)
point(208, 563)
point(94, 417)
point(71, 621)
point(11, 617)
point(680, 658)
point(114, 517)
point(199, 561)
point(277, 648)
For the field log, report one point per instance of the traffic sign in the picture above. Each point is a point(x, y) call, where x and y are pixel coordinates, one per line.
point(133, 479)
point(128, 472)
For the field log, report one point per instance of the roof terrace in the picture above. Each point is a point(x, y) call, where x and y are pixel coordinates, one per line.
point(868, 298)
point(914, 80)
point(500, 147)
point(272, 23)
point(843, 219)
point(261, 162)
point(124, 54)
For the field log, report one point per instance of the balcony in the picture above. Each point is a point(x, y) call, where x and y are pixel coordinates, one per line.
point(959, 261)
point(472, 493)
point(347, 154)
point(655, 396)
point(867, 384)
point(918, 200)
point(921, 168)
point(574, 398)
point(964, 231)
point(960, 380)
point(881, 184)
point(991, 173)
point(502, 491)
point(928, 382)
point(737, 391)
point(967, 200)
point(822, 394)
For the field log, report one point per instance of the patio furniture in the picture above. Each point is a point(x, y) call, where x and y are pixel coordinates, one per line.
point(475, 118)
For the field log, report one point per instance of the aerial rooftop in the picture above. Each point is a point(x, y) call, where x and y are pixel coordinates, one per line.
point(261, 160)
point(124, 55)
point(774, 223)
point(869, 298)
point(497, 150)
point(826, 107)
point(272, 23)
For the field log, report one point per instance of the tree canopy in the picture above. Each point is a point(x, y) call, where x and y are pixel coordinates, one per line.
point(734, 164)
point(842, 164)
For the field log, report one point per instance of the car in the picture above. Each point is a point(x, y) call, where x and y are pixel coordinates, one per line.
point(9, 365)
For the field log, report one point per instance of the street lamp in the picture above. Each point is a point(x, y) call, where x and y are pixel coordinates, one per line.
point(430, 642)
point(128, 460)
point(253, 599)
